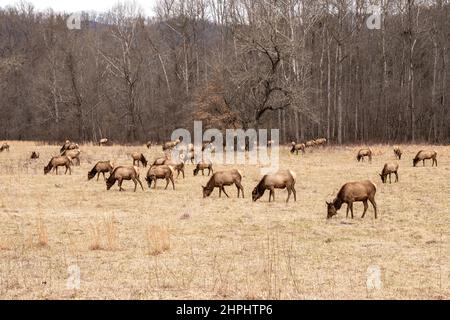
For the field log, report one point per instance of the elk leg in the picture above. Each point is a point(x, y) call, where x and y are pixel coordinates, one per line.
point(295, 193)
point(173, 183)
point(120, 184)
point(223, 189)
point(396, 176)
point(366, 206)
point(424, 163)
point(203, 172)
point(104, 177)
point(220, 192)
point(270, 195)
point(272, 190)
point(374, 204)
point(209, 172)
point(348, 209)
point(139, 180)
point(135, 184)
point(240, 187)
point(98, 176)
point(390, 178)
point(289, 194)
point(156, 180)
point(56, 170)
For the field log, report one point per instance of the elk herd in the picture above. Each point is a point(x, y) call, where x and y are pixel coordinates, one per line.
point(165, 168)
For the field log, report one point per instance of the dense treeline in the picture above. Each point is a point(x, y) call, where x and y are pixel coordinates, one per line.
point(309, 67)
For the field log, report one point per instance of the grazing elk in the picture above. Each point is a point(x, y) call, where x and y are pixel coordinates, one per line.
point(73, 154)
point(68, 146)
point(362, 191)
point(139, 158)
point(398, 152)
point(34, 155)
point(124, 173)
point(177, 166)
point(222, 179)
point(5, 146)
point(172, 144)
point(202, 166)
point(388, 170)
point(298, 147)
point(59, 161)
point(281, 180)
point(103, 142)
point(426, 155)
point(363, 153)
point(101, 167)
point(160, 173)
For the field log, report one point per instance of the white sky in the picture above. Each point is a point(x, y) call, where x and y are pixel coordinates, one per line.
point(70, 6)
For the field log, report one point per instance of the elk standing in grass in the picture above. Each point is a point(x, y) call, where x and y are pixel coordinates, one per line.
point(73, 154)
point(298, 147)
point(4, 147)
point(103, 142)
point(398, 152)
point(171, 144)
point(178, 166)
point(68, 146)
point(160, 173)
point(223, 179)
point(59, 161)
point(139, 158)
point(362, 191)
point(281, 180)
point(426, 155)
point(388, 170)
point(124, 173)
point(202, 166)
point(363, 153)
point(320, 142)
point(310, 144)
point(101, 167)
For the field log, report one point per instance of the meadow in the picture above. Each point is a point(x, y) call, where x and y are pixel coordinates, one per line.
point(162, 244)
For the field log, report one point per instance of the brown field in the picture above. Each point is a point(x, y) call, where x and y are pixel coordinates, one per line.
point(176, 245)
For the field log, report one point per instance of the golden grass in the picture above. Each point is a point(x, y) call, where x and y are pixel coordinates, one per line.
point(174, 244)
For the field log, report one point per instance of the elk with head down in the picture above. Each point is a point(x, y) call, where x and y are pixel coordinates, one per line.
point(363, 153)
point(284, 179)
point(101, 167)
point(122, 173)
point(139, 158)
point(202, 166)
point(222, 179)
point(160, 173)
point(4, 147)
point(362, 191)
point(388, 170)
point(426, 155)
point(59, 161)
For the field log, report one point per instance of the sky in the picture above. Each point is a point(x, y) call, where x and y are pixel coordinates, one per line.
point(71, 6)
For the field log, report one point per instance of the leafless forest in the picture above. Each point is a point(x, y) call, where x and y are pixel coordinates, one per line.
point(309, 67)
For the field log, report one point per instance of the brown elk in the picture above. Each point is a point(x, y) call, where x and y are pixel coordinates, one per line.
point(149, 144)
point(139, 158)
point(101, 167)
point(281, 180)
point(426, 155)
point(120, 174)
point(363, 153)
point(161, 161)
point(320, 142)
point(222, 179)
point(298, 147)
point(362, 191)
point(68, 146)
point(388, 170)
point(34, 155)
point(310, 144)
point(202, 166)
point(73, 154)
point(177, 166)
point(172, 144)
point(160, 173)
point(103, 142)
point(398, 152)
point(5, 146)
point(59, 161)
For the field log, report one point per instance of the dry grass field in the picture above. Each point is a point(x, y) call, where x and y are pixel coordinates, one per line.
point(176, 245)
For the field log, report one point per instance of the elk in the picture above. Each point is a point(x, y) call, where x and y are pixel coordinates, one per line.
point(426, 155)
point(388, 170)
point(281, 180)
point(189, 156)
point(310, 144)
point(202, 166)
point(363, 153)
point(222, 179)
point(160, 173)
point(59, 161)
point(362, 191)
point(74, 154)
point(398, 152)
point(139, 158)
point(298, 147)
point(177, 166)
point(103, 142)
point(34, 155)
point(68, 146)
point(161, 161)
point(101, 167)
point(5, 146)
point(149, 144)
point(124, 173)
point(172, 144)
point(320, 142)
